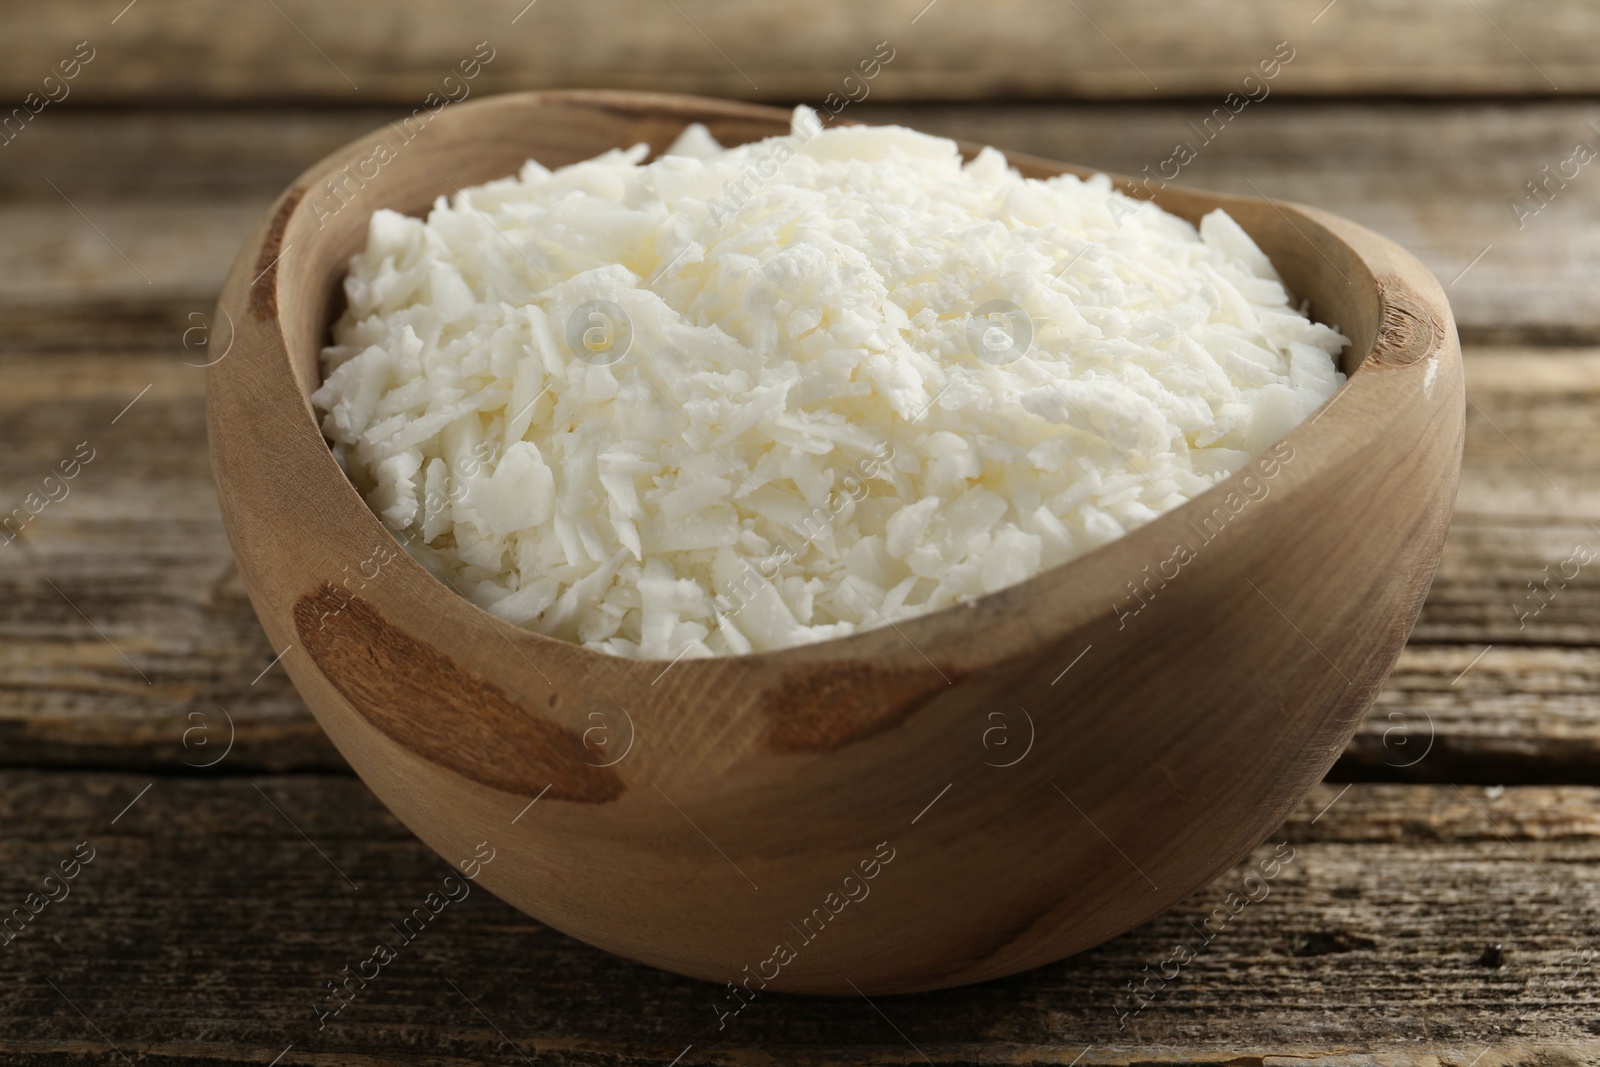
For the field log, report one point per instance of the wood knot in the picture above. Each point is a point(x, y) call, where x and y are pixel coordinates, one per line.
point(1408, 330)
point(438, 709)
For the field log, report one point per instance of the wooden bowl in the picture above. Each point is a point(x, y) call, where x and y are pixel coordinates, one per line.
point(962, 796)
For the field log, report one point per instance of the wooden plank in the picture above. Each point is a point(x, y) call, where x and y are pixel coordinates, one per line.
point(173, 193)
point(138, 548)
point(211, 50)
point(1364, 944)
point(1458, 713)
point(1531, 437)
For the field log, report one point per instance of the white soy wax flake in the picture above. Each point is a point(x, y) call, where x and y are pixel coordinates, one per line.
point(733, 400)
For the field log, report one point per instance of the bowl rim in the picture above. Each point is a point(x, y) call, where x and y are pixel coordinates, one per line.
point(1396, 341)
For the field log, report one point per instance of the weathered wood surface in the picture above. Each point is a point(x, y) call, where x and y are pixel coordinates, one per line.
point(207, 926)
point(177, 192)
point(299, 49)
point(138, 548)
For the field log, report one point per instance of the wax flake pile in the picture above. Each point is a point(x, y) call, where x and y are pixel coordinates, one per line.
point(734, 400)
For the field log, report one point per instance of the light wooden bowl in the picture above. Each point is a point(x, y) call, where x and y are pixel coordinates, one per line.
point(1042, 770)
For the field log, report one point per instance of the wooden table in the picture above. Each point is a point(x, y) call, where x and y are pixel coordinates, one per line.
point(227, 887)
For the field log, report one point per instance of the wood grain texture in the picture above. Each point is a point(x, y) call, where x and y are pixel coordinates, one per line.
point(219, 923)
point(1517, 714)
point(211, 50)
point(207, 926)
point(177, 192)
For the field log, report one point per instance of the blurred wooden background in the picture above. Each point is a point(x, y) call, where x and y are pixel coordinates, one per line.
point(1462, 815)
point(206, 51)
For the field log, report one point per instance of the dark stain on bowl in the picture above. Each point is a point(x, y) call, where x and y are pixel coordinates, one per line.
point(825, 710)
point(440, 710)
point(264, 291)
